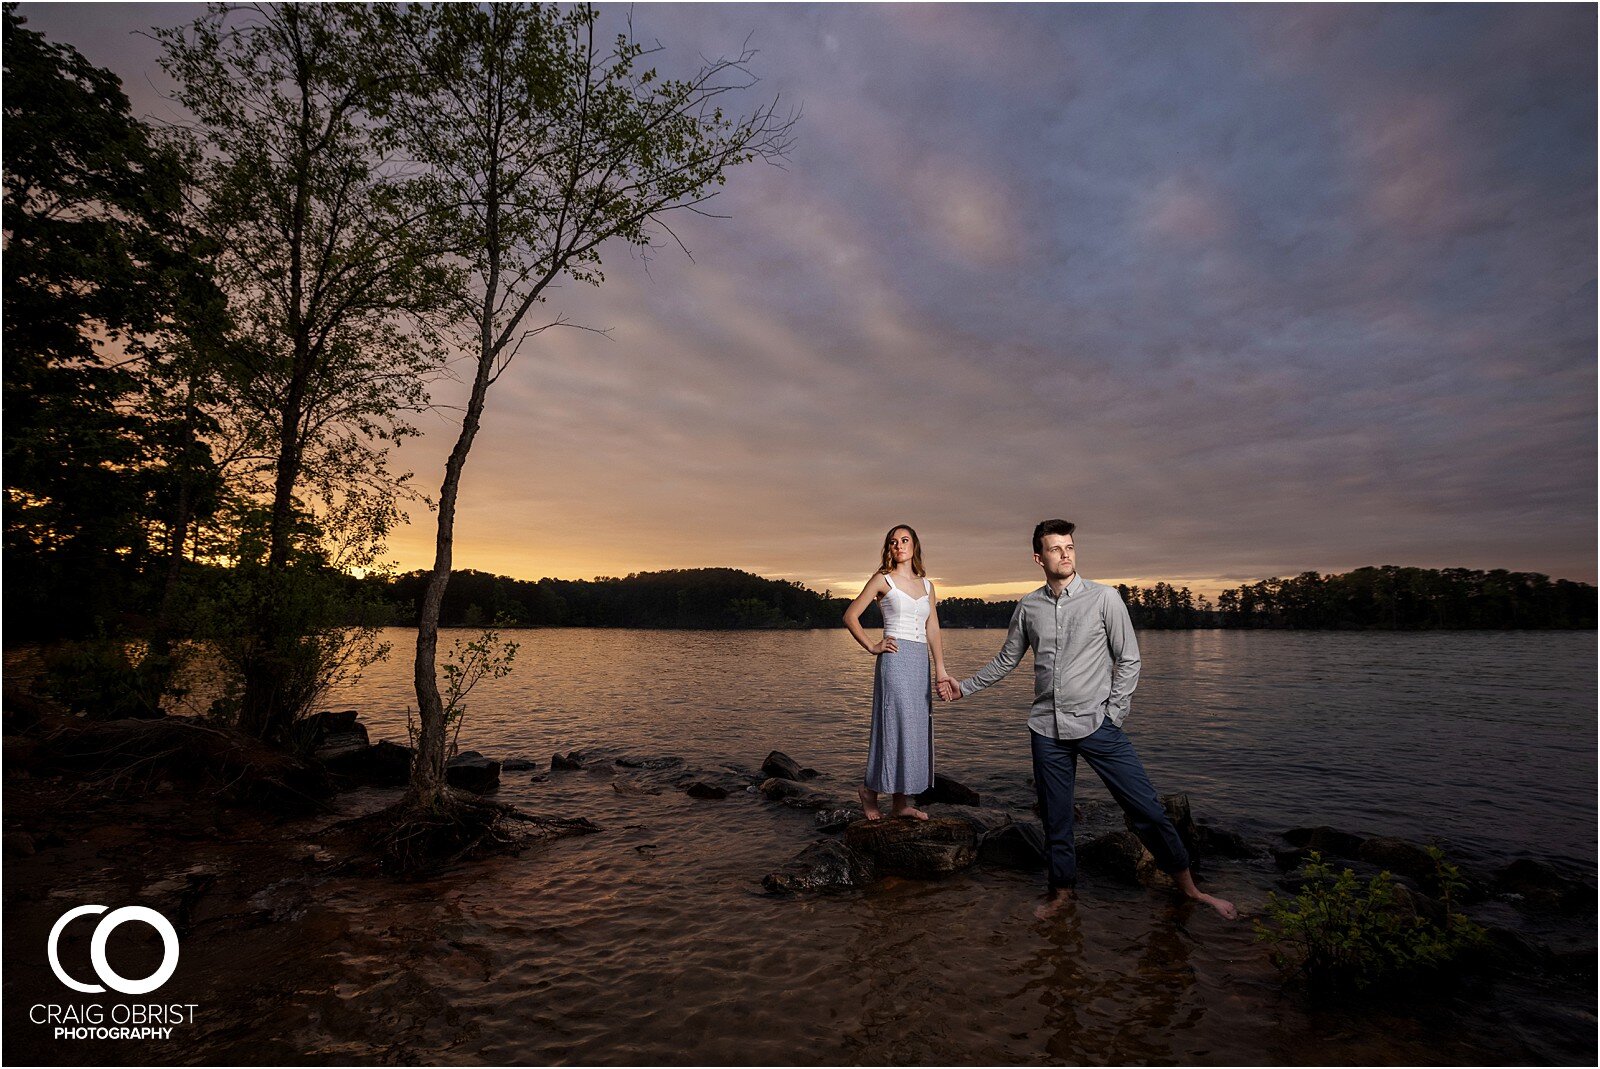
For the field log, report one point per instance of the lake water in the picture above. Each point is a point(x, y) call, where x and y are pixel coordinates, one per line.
point(652, 942)
point(1483, 741)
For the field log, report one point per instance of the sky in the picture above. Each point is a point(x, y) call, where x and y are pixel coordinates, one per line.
point(1243, 291)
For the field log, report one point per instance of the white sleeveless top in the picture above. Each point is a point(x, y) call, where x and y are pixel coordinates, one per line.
point(905, 617)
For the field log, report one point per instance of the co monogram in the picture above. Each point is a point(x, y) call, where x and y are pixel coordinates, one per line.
point(97, 949)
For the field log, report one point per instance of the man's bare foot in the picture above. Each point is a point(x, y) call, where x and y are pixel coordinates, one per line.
point(1054, 902)
point(1185, 881)
point(1221, 905)
point(869, 803)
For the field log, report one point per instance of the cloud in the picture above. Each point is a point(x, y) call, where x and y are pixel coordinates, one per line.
point(1244, 291)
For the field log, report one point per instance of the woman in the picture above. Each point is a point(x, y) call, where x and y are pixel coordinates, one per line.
point(900, 757)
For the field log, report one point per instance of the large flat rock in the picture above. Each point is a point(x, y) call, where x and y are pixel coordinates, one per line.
point(934, 847)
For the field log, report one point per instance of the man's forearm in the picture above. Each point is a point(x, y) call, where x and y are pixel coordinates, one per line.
point(1000, 666)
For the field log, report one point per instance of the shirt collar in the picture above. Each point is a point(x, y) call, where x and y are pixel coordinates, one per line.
point(1074, 586)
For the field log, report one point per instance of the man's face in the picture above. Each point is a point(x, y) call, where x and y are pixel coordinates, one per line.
point(1060, 557)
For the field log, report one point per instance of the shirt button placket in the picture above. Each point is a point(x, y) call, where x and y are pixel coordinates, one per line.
point(1056, 688)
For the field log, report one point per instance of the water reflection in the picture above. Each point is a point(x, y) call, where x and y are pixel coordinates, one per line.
point(1113, 989)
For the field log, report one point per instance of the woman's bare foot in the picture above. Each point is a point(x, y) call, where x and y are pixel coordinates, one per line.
point(904, 808)
point(869, 803)
point(1054, 902)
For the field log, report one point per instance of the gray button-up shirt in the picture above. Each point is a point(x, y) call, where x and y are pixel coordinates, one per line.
point(1085, 658)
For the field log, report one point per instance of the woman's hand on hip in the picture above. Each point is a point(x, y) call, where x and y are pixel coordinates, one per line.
point(885, 645)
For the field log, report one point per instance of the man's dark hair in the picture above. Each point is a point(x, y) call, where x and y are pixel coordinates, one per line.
point(1061, 527)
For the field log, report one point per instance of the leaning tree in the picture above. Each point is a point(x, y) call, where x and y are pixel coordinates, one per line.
point(541, 145)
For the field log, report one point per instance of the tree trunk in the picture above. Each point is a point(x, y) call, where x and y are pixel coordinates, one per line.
point(427, 771)
point(427, 774)
point(261, 712)
point(177, 535)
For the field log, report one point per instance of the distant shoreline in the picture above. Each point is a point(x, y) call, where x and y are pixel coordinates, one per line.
point(1386, 598)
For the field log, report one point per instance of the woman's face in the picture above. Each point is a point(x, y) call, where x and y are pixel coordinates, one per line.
point(900, 544)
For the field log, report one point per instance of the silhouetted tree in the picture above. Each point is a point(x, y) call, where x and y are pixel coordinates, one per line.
point(331, 273)
point(539, 146)
point(107, 304)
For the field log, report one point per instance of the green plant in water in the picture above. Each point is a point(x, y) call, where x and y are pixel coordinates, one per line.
point(486, 657)
point(1340, 934)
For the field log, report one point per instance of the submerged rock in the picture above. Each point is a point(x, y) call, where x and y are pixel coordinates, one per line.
point(797, 795)
point(825, 865)
point(568, 762)
point(517, 764)
point(780, 765)
point(950, 792)
point(471, 771)
point(633, 786)
point(1541, 885)
point(937, 846)
point(1221, 842)
point(1401, 858)
point(652, 764)
point(831, 820)
point(1326, 841)
point(1018, 845)
point(699, 789)
point(1121, 856)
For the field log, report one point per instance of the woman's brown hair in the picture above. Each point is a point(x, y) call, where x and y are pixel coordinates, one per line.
point(888, 552)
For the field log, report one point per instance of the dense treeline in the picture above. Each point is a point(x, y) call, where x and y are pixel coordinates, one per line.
point(1410, 599)
point(1386, 598)
point(709, 598)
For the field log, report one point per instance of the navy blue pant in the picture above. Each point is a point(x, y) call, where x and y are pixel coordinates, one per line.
point(1109, 752)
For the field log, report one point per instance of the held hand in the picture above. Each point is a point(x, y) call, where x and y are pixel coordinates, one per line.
point(887, 645)
point(949, 689)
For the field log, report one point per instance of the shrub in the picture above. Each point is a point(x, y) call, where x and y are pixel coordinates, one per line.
point(1338, 934)
point(108, 679)
point(325, 633)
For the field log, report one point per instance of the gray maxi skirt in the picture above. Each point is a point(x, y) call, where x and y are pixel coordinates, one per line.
point(900, 755)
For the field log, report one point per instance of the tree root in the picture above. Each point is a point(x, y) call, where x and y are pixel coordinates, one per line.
point(416, 837)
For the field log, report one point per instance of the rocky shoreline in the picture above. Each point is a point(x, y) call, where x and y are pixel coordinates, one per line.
point(1540, 919)
point(1537, 916)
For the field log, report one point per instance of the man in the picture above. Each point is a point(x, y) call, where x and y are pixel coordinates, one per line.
point(1085, 666)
